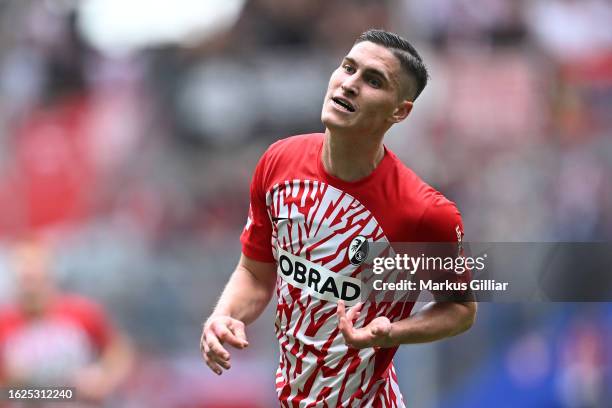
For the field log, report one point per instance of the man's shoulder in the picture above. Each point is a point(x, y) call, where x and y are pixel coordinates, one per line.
point(410, 184)
point(441, 220)
point(291, 157)
point(77, 306)
point(435, 211)
point(295, 143)
point(441, 207)
point(9, 315)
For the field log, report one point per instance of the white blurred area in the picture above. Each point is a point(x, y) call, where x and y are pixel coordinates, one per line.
point(129, 131)
point(116, 26)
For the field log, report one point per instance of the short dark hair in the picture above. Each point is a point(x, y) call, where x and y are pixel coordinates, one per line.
point(407, 55)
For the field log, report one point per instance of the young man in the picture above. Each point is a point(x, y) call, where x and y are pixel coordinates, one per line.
point(311, 197)
point(49, 338)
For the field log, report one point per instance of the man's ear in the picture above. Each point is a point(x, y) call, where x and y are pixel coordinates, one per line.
point(402, 111)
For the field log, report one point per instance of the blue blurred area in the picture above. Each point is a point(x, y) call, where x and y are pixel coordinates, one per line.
point(561, 361)
point(134, 167)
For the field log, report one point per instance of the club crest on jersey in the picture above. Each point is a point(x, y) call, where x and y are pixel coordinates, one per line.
point(358, 250)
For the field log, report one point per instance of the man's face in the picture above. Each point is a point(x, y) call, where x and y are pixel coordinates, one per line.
point(365, 92)
point(32, 272)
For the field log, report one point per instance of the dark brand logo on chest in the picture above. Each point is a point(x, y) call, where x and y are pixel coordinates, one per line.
point(358, 250)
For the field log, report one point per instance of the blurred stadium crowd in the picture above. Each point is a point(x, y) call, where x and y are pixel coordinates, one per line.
point(134, 164)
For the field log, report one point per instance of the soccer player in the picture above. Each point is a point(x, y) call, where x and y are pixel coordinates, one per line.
point(49, 338)
point(312, 198)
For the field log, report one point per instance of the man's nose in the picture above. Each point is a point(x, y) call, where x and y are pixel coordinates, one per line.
point(349, 86)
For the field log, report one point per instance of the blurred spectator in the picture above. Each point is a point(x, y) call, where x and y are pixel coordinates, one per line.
point(581, 374)
point(463, 22)
point(50, 339)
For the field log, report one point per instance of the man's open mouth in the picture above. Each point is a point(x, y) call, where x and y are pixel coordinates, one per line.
point(344, 103)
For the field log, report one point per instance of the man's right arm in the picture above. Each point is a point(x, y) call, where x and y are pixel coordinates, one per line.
point(244, 298)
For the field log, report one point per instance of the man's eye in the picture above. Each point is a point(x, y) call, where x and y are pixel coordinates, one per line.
point(375, 82)
point(349, 69)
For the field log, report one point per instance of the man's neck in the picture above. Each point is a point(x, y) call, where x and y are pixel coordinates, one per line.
point(37, 306)
point(350, 158)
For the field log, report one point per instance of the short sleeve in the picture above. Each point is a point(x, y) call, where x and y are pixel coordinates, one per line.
point(256, 238)
point(441, 222)
point(10, 321)
point(441, 228)
point(91, 317)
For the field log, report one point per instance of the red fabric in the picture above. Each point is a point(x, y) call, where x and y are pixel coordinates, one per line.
point(82, 314)
point(406, 207)
point(77, 309)
point(305, 216)
point(53, 171)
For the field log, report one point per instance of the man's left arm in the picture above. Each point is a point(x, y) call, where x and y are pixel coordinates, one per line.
point(100, 379)
point(104, 375)
point(435, 321)
point(441, 223)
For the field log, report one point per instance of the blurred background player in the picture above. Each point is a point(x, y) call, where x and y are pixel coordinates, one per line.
point(49, 338)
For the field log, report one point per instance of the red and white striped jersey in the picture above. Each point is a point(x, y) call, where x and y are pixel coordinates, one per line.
point(306, 221)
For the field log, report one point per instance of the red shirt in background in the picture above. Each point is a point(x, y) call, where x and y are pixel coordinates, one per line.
point(50, 349)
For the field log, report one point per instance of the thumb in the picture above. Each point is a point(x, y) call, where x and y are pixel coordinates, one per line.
point(238, 330)
point(381, 328)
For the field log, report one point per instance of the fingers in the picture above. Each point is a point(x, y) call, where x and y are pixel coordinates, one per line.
point(346, 320)
point(209, 361)
point(376, 333)
point(344, 326)
point(341, 310)
point(345, 323)
point(354, 312)
point(225, 335)
point(215, 355)
point(237, 327)
point(214, 335)
point(213, 343)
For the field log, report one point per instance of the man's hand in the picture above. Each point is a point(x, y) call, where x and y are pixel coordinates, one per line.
point(375, 334)
point(218, 330)
point(91, 384)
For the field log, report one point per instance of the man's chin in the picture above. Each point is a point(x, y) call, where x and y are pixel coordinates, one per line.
point(334, 124)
